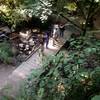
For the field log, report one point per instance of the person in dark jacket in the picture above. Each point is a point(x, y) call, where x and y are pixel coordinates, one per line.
point(46, 38)
point(62, 28)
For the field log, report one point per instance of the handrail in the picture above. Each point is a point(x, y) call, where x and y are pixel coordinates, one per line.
point(33, 51)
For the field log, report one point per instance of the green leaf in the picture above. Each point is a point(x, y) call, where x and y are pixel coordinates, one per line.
point(80, 61)
point(97, 97)
point(88, 50)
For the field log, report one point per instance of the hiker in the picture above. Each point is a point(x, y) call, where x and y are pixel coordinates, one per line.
point(62, 28)
point(41, 49)
point(56, 33)
point(56, 26)
point(46, 38)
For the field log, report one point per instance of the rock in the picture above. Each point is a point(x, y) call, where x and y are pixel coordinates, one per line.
point(21, 45)
point(25, 35)
point(31, 42)
point(27, 46)
point(29, 52)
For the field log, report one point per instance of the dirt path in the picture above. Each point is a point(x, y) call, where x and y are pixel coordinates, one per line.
point(5, 71)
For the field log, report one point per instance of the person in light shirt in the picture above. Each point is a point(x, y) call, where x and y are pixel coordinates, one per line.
point(56, 33)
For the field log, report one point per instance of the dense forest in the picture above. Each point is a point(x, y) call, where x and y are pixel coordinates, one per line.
point(74, 72)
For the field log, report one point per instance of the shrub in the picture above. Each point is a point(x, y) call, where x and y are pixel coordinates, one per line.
point(68, 78)
point(5, 52)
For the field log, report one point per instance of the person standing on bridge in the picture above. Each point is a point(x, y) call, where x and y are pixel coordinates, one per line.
point(41, 49)
point(56, 33)
point(46, 38)
point(62, 28)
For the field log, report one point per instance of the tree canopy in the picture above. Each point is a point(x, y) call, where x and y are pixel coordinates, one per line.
point(14, 11)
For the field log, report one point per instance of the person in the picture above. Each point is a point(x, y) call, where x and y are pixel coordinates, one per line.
point(57, 30)
point(56, 33)
point(55, 36)
point(50, 29)
point(46, 38)
point(62, 28)
point(41, 49)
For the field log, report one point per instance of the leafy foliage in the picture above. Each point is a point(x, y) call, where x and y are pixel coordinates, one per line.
point(71, 6)
point(67, 77)
point(97, 97)
point(5, 52)
point(16, 11)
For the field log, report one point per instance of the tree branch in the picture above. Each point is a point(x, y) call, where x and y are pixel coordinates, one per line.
point(78, 5)
point(88, 16)
point(71, 21)
point(96, 11)
point(63, 17)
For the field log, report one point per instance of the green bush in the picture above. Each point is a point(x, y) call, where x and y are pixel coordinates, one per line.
point(97, 97)
point(5, 52)
point(75, 77)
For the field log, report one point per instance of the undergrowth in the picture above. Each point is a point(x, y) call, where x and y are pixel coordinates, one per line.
point(72, 77)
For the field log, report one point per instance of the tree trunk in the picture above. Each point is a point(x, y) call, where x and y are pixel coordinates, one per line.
point(80, 8)
point(88, 18)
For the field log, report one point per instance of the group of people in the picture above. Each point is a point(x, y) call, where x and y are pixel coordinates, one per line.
point(55, 32)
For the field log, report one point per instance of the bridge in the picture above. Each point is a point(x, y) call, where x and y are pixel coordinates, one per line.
point(22, 72)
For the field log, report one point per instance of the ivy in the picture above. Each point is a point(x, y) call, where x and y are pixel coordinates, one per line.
point(75, 77)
